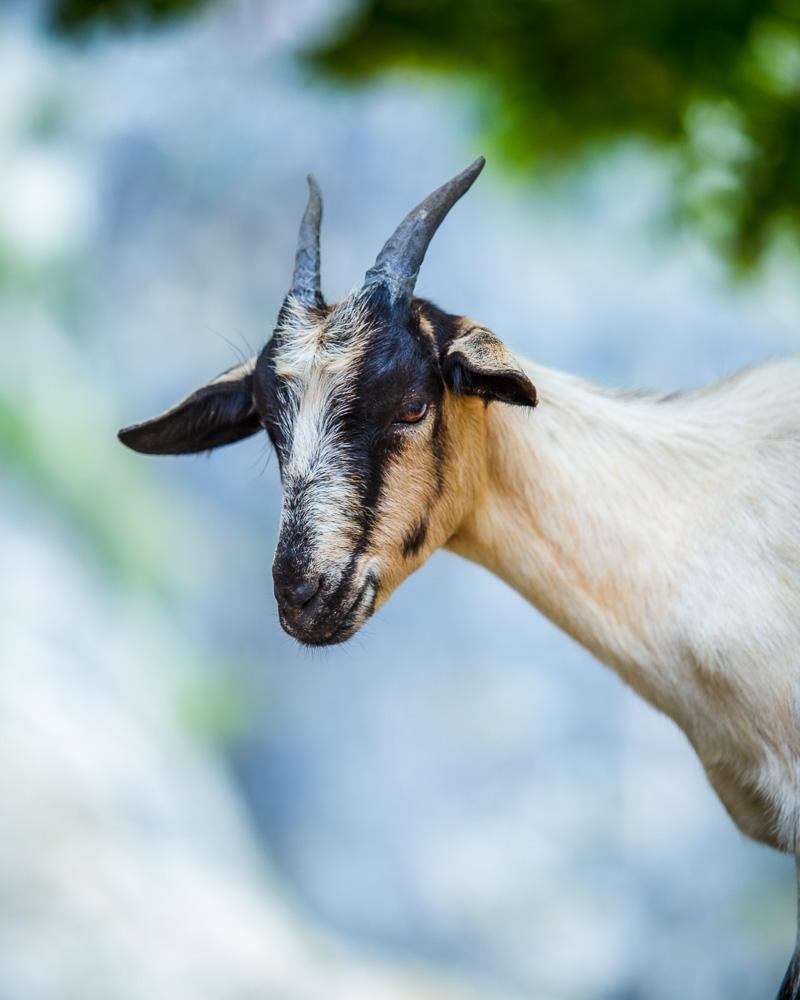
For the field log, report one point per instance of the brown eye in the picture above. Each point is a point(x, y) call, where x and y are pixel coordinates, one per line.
point(411, 413)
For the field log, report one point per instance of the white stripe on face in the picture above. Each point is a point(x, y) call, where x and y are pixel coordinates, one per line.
point(318, 362)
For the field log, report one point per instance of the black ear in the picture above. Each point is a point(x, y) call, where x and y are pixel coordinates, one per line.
point(479, 364)
point(220, 412)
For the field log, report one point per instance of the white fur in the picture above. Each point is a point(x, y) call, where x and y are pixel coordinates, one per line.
point(317, 360)
point(664, 535)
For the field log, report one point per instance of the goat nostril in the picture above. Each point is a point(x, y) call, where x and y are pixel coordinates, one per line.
point(298, 595)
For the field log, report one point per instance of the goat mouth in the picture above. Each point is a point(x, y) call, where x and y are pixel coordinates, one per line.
point(346, 625)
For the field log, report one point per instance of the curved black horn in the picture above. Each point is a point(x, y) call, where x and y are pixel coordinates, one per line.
point(398, 264)
point(305, 281)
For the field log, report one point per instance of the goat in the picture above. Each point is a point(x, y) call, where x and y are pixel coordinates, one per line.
point(662, 533)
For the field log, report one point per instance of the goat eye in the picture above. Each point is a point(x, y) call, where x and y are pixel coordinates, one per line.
point(411, 413)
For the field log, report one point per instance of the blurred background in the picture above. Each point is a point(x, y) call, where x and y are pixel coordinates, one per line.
point(459, 803)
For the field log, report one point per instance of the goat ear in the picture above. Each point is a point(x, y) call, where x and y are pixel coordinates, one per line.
point(479, 364)
point(219, 413)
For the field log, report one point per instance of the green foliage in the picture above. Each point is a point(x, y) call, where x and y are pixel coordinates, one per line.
point(715, 81)
point(73, 465)
point(212, 706)
point(77, 17)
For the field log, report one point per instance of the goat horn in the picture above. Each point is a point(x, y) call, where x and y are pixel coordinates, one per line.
point(397, 265)
point(305, 281)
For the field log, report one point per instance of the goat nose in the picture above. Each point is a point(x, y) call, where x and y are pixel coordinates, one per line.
point(296, 594)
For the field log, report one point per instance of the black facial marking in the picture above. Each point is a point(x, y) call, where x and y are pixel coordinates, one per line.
point(416, 539)
point(270, 398)
point(439, 445)
point(445, 326)
point(398, 366)
point(343, 586)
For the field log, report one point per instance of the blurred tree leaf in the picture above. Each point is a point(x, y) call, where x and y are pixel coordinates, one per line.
point(716, 81)
point(78, 17)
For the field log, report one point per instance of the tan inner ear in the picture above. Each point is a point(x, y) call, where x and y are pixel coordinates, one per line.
point(484, 351)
